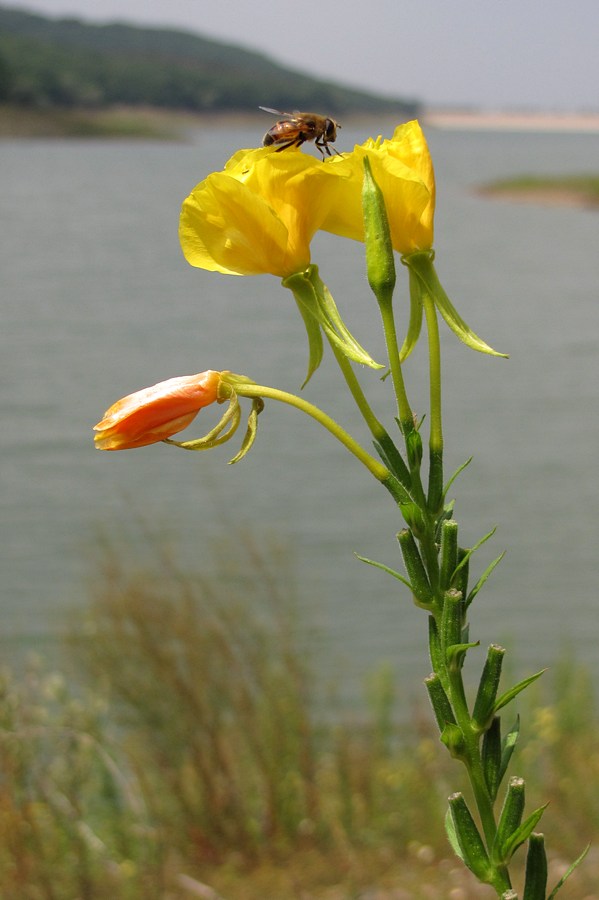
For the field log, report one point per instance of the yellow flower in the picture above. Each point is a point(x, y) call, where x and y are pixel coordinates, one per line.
point(156, 412)
point(259, 214)
point(403, 170)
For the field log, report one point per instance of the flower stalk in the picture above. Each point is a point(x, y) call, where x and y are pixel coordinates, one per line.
point(258, 216)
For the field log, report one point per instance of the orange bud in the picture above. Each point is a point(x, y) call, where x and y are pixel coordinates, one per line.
point(156, 412)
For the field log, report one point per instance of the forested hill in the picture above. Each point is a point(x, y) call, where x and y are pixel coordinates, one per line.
point(47, 62)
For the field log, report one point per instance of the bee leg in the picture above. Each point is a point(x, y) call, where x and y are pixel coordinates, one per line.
point(296, 142)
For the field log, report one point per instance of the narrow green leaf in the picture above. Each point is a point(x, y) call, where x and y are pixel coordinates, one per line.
point(471, 550)
point(479, 584)
point(511, 844)
point(457, 472)
point(507, 748)
point(384, 568)
point(565, 877)
point(456, 652)
point(517, 689)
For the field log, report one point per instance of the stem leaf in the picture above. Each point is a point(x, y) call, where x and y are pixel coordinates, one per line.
point(514, 691)
point(521, 834)
point(567, 874)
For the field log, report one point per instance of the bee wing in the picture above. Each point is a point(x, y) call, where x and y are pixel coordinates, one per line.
point(292, 117)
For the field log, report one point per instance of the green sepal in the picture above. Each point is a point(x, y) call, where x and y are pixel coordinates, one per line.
point(222, 432)
point(567, 874)
point(439, 701)
point(484, 705)
point(380, 260)
point(315, 343)
point(314, 298)
point(416, 311)
point(535, 884)
point(415, 569)
point(421, 263)
point(252, 428)
point(466, 835)
point(513, 692)
point(510, 820)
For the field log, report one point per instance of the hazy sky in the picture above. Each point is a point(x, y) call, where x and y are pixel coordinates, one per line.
point(493, 53)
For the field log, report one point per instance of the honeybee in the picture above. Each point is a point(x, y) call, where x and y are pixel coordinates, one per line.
point(295, 128)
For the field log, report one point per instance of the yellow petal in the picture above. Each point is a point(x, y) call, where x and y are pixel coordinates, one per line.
point(403, 170)
point(225, 227)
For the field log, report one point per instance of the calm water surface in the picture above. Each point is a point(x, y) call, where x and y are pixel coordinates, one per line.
point(97, 301)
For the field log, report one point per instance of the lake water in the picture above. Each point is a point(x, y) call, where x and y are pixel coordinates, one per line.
point(97, 301)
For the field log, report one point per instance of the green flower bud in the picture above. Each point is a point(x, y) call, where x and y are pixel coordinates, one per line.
point(471, 845)
point(535, 885)
point(484, 705)
point(380, 263)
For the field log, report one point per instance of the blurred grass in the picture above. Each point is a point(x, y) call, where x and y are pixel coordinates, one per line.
point(576, 189)
point(24, 122)
point(186, 759)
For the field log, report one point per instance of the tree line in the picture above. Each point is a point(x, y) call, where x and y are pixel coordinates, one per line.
point(66, 63)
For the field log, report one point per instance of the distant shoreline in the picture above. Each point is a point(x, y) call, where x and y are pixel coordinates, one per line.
point(151, 123)
point(481, 120)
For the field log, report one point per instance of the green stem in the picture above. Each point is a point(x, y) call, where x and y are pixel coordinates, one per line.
point(451, 676)
point(435, 472)
point(380, 472)
point(376, 428)
point(434, 344)
point(406, 417)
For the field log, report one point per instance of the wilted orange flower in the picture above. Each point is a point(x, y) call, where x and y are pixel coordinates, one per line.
point(156, 412)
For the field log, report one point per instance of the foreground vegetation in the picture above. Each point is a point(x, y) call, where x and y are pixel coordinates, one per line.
point(194, 764)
